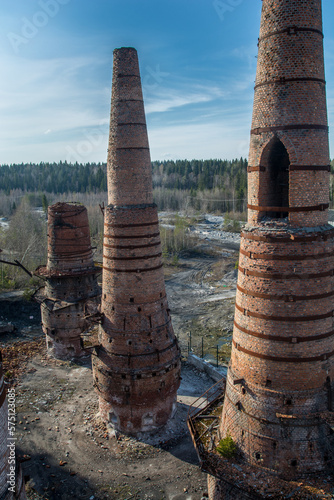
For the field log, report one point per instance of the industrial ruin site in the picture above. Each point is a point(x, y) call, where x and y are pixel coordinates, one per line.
point(180, 354)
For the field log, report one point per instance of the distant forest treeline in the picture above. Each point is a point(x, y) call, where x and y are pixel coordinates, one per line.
point(201, 184)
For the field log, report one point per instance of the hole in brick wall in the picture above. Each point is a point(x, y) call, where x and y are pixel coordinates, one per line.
point(294, 463)
point(154, 374)
point(162, 305)
point(275, 159)
point(132, 300)
point(112, 418)
point(243, 390)
point(274, 445)
point(113, 308)
point(242, 433)
point(268, 383)
point(150, 320)
point(124, 323)
point(150, 341)
point(129, 342)
point(110, 341)
point(288, 402)
point(53, 331)
point(50, 344)
point(104, 296)
point(123, 376)
point(160, 295)
point(310, 445)
point(258, 456)
point(326, 458)
point(139, 376)
point(148, 419)
point(139, 309)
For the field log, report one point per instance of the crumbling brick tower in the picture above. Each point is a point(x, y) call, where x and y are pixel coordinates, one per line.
point(71, 281)
point(137, 367)
point(11, 479)
point(281, 373)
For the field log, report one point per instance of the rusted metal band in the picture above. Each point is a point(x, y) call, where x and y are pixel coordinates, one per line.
point(284, 80)
point(281, 359)
point(141, 355)
point(144, 257)
point(145, 224)
point(132, 247)
point(132, 237)
point(277, 128)
point(131, 123)
point(127, 76)
point(126, 149)
point(295, 168)
point(115, 270)
point(314, 168)
point(294, 422)
point(259, 168)
point(291, 30)
point(287, 340)
point(323, 236)
point(267, 256)
point(285, 298)
point(314, 208)
point(291, 319)
point(282, 276)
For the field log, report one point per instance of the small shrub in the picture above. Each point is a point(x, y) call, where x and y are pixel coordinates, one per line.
point(227, 447)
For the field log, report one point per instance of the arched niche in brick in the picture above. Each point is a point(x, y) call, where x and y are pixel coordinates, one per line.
point(274, 182)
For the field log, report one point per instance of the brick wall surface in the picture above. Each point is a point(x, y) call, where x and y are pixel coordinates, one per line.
point(290, 106)
point(71, 281)
point(137, 363)
point(280, 377)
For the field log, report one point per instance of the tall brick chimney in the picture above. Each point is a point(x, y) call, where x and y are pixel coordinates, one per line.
point(11, 479)
point(137, 366)
point(70, 277)
point(281, 374)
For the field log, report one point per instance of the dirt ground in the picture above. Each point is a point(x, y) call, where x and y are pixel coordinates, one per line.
point(66, 451)
point(71, 454)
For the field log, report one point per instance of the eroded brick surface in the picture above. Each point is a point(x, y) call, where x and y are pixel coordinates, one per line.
point(137, 363)
point(71, 282)
point(280, 378)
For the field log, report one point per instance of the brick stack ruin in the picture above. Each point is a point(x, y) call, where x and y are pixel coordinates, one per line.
point(137, 363)
point(71, 283)
point(11, 479)
point(279, 391)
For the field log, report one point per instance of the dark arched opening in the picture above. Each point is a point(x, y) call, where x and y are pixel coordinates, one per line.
point(278, 178)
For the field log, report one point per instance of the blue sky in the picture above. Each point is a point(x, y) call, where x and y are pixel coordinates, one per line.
point(197, 60)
